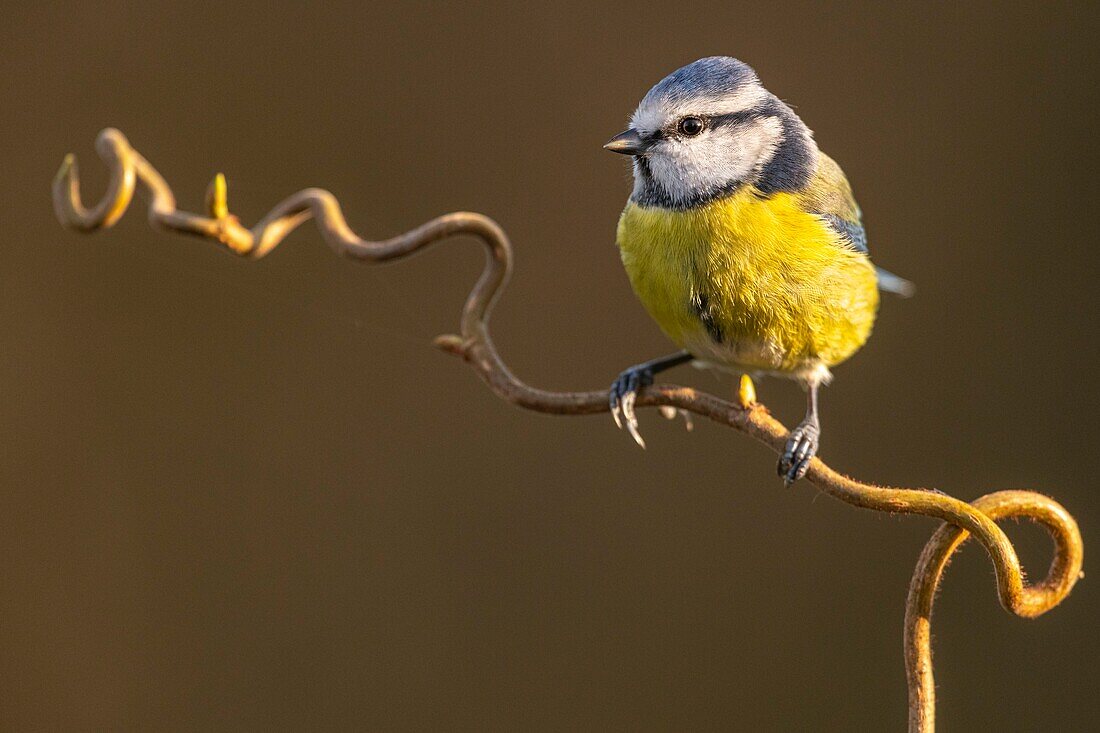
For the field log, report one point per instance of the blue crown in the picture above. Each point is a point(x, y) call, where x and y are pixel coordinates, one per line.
point(714, 76)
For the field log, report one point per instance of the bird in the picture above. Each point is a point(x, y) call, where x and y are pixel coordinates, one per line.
point(743, 242)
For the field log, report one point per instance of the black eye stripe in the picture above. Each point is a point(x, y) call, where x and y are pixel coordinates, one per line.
point(735, 118)
point(714, 121)
point(727, 120)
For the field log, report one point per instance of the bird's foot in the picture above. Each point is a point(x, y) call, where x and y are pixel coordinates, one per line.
point(802, 445)
point(623, 394)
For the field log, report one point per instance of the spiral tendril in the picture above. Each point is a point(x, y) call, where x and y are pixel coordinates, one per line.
point(961, 520)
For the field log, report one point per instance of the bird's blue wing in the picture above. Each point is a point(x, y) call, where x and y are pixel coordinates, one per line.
point(830, 196)
point(852, 231)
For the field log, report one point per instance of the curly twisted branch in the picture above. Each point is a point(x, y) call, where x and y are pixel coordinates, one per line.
point(474, 345)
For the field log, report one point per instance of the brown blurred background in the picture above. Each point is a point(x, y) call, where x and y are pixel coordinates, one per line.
point(251, 496)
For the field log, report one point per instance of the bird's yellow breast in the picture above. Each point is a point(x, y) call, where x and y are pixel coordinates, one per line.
point(750, 282)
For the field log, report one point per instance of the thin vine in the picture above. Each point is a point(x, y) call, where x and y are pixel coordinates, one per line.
point(473, 344)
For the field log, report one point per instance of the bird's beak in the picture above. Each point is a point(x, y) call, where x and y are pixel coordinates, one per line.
point(627, 143)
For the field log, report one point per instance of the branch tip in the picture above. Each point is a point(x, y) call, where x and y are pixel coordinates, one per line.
point(68, 164)
point(746, 392)
point(452, 344)
point(217, 204)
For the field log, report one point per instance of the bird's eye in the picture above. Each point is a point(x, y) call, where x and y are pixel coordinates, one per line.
point(690, 126)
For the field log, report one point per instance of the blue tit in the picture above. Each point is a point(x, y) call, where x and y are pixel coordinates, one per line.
point(743, 241)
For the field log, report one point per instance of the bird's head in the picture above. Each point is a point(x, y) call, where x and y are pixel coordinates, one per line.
point(708, 128)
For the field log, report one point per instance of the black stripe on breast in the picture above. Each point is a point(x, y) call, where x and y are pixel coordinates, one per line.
point(701, 306)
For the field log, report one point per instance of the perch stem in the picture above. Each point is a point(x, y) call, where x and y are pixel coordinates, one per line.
point(474, 345)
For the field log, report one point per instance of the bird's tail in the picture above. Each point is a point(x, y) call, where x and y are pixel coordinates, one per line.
point(891, 283)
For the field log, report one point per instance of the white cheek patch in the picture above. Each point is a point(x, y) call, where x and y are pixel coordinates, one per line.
point(688, 168)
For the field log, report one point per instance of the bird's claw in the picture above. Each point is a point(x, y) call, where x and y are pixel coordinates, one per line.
point(622, 396)
point(802, 445)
